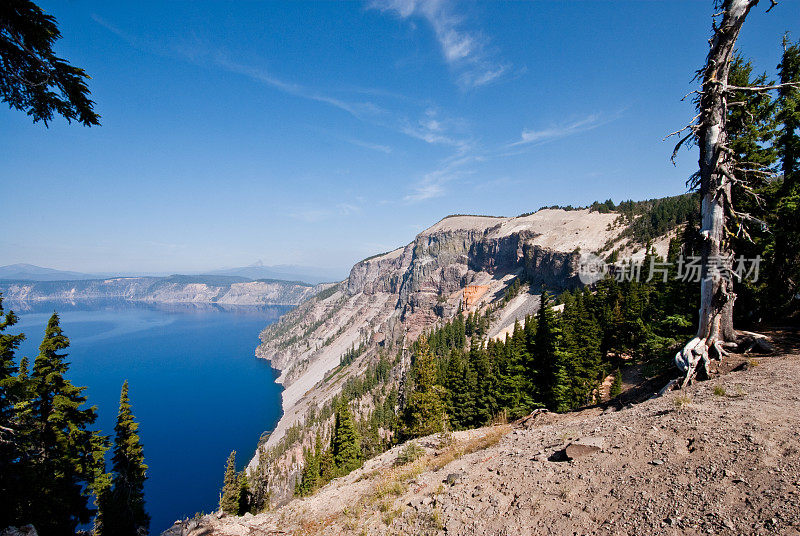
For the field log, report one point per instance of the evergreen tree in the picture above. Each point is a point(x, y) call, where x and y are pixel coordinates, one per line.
point(327, 468)
point(461, 384)
point(424, 412)
point(616, 386)
point(371, 442)
point(102, 493)
point(229, 498)
point(485, 399)
point(524, 371)
point(580, 356)
point(788, 143)
point(64, 456)
point(9, 430)
point(345, 444)
point(125, 514)
point(245, 495)
point(751, 128)
point(311, 473)
point(32, 78)
point(549, 377)
point(511, 377)
point(785, 254)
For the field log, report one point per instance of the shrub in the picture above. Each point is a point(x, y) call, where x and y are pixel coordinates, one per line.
point(410, 453)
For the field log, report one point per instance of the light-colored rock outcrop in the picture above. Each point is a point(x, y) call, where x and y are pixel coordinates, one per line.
point(174, 289)
point(393, 297)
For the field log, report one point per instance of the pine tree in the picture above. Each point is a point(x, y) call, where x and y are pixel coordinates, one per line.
point(327, 468)
point(549, 377)
point(245, 496)
point(311, 473)
point(229, 498)
point(788, 143)
point(424, 412)
point(485, 386)
point(33, 79)
point(461, 387)
point(371, 442)
point(524, 368)
point(786, 227)
point(751, 128)
point(125, 513)
point(9, 429)
point(579, 352)
point(345, 444)
point(65, 456)
point(511, 377)
point(616, 386)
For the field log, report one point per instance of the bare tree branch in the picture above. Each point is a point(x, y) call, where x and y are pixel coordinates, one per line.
point(678, 146)
point(762, 88)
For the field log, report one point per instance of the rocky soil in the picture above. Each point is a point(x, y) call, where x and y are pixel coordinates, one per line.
point(722, 457)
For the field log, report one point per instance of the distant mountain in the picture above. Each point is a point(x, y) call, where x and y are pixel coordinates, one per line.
point(285, 272)
point(254, 272)
point(30, 272)
point(200, 289)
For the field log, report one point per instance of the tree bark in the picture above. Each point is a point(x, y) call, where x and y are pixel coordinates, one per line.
point(715, 180)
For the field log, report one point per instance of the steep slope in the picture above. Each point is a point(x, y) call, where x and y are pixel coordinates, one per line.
point(390, 299)
point(718, 458)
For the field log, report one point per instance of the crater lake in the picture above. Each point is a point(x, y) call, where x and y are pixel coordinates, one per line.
point(197, 389)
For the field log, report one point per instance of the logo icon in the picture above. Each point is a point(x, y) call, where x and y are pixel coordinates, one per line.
point(591, 268)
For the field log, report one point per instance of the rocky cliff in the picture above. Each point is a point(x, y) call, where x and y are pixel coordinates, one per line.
point(717, 458)
point(392, 298)
point(173, 289)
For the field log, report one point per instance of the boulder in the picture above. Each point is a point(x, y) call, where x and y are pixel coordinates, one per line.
point(578, 450)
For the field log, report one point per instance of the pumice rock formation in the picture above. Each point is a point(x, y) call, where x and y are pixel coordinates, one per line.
point(461, 262)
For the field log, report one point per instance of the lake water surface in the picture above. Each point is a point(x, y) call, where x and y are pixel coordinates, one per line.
point(197, 390)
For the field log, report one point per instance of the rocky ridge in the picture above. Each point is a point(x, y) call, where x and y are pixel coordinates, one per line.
point(392, 298)
point(720, 457)
point(223, 290)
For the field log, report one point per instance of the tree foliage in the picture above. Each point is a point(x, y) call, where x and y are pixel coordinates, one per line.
point(122, 503)
point(54, 461)
point(33, 78)
point(230, 495)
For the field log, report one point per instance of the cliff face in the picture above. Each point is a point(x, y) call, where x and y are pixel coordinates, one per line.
point(173, 289)
point(691, 462)
point(392, 298)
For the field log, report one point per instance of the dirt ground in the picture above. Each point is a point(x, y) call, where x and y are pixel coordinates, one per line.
point(721, 457)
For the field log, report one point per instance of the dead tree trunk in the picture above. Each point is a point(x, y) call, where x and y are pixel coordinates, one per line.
point(715, 179)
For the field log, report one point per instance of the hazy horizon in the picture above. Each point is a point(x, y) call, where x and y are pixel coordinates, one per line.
point(319, 134)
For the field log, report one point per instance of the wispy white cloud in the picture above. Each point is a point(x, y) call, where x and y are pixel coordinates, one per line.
point(348, 208)
point(358, 109)
point(465, 50)
point(563, 130)
point(199, 54)
point(433, 184)
point(369, 145)
point(312, 213)
point(429, 127)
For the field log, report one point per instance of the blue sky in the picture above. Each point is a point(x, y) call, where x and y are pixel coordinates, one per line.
point(322, 133)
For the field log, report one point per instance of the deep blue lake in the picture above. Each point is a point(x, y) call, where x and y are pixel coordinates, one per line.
point(197, 390)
